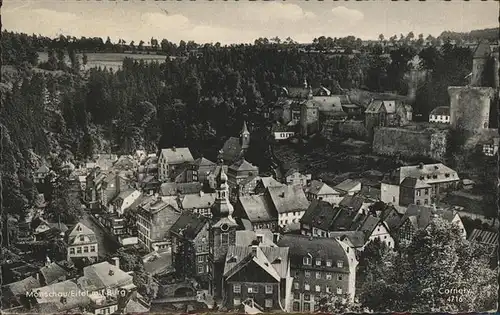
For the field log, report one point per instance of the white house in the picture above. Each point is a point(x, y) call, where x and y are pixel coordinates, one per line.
point(171, 158)
point(349, 187)
point(124, 200)
point(82, 243)
point(317, 189)
point(440, 114)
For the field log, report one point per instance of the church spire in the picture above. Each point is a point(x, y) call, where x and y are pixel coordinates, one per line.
point(222, 206)
point(245, 136)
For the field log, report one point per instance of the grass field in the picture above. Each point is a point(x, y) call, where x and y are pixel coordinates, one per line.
point(108, 60)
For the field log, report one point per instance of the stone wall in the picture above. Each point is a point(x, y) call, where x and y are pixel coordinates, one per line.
point(349, 128)
point(469, 107)
point(410, 143)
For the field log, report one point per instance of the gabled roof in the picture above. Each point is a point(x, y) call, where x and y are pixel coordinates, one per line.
point(392, 218)
point(198, 201)
point(246, 237)
point(47, 297)
point(375, 107)
point(288, 198)
point(257, 208)
point(81, 229)
point(177, 155)
point(329, 103)
point(430, 173)
point(298, 92)
point(421, 216)
point(242, 166)
point(173, 189)
point(354, 202)
point(98, 276)
point(347, 185)
point(21, 287)
point(441, 111)
point(317, 187)
point(188, 225)
point(356, 238)
point(53, 273)
point(43, 169)
point(269, 181)
point(367, 224)
point(160, 263)
point(277, 127)
point(155, 204)
point(202, 162)
point(412, 182)
point(320, 214)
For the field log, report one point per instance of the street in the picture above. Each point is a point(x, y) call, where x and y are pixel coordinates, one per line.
point(106, 245)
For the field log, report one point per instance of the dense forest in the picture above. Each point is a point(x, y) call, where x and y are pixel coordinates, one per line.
point(197, 101)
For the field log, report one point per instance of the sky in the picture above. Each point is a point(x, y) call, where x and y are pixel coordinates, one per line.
point(243, 21)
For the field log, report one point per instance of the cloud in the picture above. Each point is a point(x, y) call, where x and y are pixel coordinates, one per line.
point(264, 12)
point(347, 15)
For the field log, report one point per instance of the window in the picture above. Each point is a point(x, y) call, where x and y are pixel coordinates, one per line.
point(426, 201)
point(328, 289)
point(224, 239)
point(339, 277)
point(296, 296)
point(92, 248)
point(328, 276)
point(318, 288)
point(339, 290)
point(78, 250)
point(307, 307)
point(253, 290)
point(85, 249)
point(329, 263)
point(307, 287)
point(259, 239)
point(307, 297)
point(418, 202)
point(269, 303)
point(340, 264)
point(296, 285)
point(71, 250)
point(418, 192)
point(307, 273)
point(236, 302)
point(318, 275)
point(200, 258)
point(199, 248)
point(393, 199)
point(200, 269)
point(296, 306)
point(237, 288)
point(82, 238)
point(427, 191)
point(306, 260)
point(269, 289)
point(318, 262)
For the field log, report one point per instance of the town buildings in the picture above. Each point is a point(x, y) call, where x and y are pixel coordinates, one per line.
point(171, 161)
point(82, 243)
point(234, 148)
point(440, 114)
point(317, 189)
point(319, 267)
point(390, 113)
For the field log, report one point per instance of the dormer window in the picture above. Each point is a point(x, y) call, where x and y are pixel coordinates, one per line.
point(340, 264)
point(318, 262)
point(329, 263)
point(307, 261)
point(79, 228)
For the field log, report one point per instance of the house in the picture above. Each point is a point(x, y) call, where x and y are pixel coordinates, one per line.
point(486, 141)
point(124, 201)
point(200, 203)
point(319, 267)
point(382, 113)
point(170, 159)
point(354, 239)
point(155, 217)
point(258, 210)
point(47, 230)
point(418, 184)
point(355, 203)
point(294, 177)
point(148, 184)
point(82, 243)
point(419, 217)
point(374, 228)
point(317, 189)
point(175, 189)
point(331, 105)
point(263, 183)
point(51, 273)
point(198, 170)
point(353, 111)
point(348, 187)
point(260, 274)
point(289, 202)
point(262, 237)
point(234, 148)
point(40, 174)
point(13, 293)
point(48, 302)
point(486, 238)
point(282, 132)
point(102, 187)
point(319, 218)
point(103, 161)
point(440, 114)
point(190, 247)
point(241, 172)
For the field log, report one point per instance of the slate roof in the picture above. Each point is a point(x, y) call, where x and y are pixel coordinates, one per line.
point(298, 92)
point(320, 214)
point(412, 182)
point(289, 198)
point(421, 216)
point(154, 204)
point(375, 107)
point(201, 161)
point(441, 111)
point(431, 173)
point(317, 187)
point(273, 260)
point(269, 181)
point(242, 165)
point(177, 155)
point(21, 287)
point(53, 273)
point(84, 231)
point(198, 201)
point(353, 202)
point(277, 127)
point(325, 248)
point(232, 150)
point(172, 189)
point(257, 208)
point(392, 218)
point(329, 104)
point(484, 237)
point(246, 237)
point(188, 225)
point(347, 185)
point(356, 238)
point(43, 169)
point(367, 224)
point(46, 297)
point(98, 276)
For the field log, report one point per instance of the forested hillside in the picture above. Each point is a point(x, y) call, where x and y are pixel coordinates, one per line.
point(195, 102)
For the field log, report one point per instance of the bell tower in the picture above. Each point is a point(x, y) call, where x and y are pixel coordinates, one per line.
point(245, 137)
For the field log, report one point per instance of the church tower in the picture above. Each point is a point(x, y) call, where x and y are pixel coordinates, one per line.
point(479, 64)
point(245, 137)
point(222, 232)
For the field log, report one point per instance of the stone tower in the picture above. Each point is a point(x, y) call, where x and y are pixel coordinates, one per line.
point(479, 64)
point(245, 137)
point(309, 118)
point(470, 107)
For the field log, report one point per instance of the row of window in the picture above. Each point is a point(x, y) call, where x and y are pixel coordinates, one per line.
point(317, 288)
point(307, 261)
point(319, 275)
point(85, 249)
point(268, 303)
point(252, 289)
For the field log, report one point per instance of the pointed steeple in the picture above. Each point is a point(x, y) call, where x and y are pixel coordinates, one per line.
point(222, 207)
point(245, 136)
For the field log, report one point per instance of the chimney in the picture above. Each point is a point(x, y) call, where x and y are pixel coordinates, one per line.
point(201, 193)
point(116, 262)
point(420, 165)
point(254, 250)
point(282, 195)
point(276, 237)
point(173, 148)
point(111, 272)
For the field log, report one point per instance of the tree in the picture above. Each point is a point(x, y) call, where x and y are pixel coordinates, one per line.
point(63, 205)
point(141, 45)
point(419, 278)
point(85, 59)
point(52, 61)
point(58, 250)
point(184, 259)
point(61, 63)
point(381, 37)
point(339, 304)
point(371, 262)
